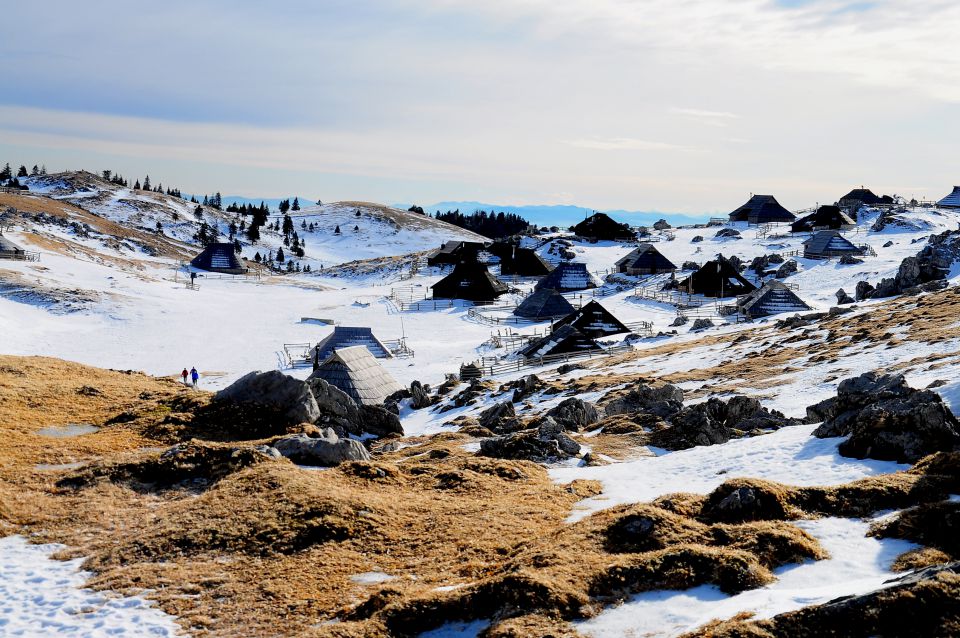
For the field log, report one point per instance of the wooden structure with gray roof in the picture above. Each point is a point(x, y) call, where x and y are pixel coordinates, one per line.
point(545, 303)
point(567, 277)
point(829, 243)
point(354, 371)
point(644, 260)
point(347, 336)
point(594, 321)
point(762, 209)
point(773, 298)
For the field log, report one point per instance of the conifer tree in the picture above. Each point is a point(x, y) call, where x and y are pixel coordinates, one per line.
point(146, 183)
point(136, 185)
point(6, 173)
point(22, 172)
point(35, 170)
point(296, 204)
point(280, 255)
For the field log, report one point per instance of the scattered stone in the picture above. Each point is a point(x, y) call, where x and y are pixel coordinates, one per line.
point(547, 443)
point(661, 224)
point(690, 265)
point(327, 449)
point(524, 387)
point(679, 320)
point(775, 259)
point(850, 260)
point(888, 244)
point(420, 396)
point(696, 239)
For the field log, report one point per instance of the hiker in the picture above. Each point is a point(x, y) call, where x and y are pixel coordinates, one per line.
point(195, 376)
point(184, 375)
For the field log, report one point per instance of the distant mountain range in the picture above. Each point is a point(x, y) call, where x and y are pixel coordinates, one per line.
point(562, 215)
point(568, 215)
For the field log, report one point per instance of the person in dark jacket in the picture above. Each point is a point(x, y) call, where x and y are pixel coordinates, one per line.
point(195, 376)
point(184, 375)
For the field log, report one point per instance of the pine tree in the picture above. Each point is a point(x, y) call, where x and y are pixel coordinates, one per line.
point(296, 204)
point(285, 206)
point(287, 225)
point(6, 173)
point(303, 225)
point(136, 185)
point(237, 246)
point(280, 255)
point(257, 258)
point(356, 229)
point(22, 172)
point(107, 175)
point(336, 231)
point(146, 183)
point(290, 266)
point(253, 233)
point(35, 170)
point(198, 213)
point(43, 169)
point(159, 227)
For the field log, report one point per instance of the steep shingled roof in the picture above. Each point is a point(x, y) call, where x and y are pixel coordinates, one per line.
point(357, 373)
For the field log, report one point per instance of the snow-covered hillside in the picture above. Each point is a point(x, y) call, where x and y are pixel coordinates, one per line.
point(366, 229)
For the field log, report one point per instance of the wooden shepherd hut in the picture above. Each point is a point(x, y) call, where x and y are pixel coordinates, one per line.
point(470, 281)
point(357, 373)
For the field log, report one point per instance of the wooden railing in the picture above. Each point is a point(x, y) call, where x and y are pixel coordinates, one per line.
point(490, 367)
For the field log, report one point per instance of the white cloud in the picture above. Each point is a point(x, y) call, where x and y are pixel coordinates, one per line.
point(626, 144)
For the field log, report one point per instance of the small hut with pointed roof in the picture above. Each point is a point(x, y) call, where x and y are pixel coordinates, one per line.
point(644, 260)
point(545, 303)
point(357, 373)
point(952, 200)
point(523, 262)
point(567, 277)
point(346, 337)
point(829, 243)
point(453, 252)
point(9, 250)
point(563, 340)
point(773, 298)
point(594, 321)
point(601, 226)
point(762, 209)
point(470, 281)
point(717, 278)
point(825, 218)
point(219, 258)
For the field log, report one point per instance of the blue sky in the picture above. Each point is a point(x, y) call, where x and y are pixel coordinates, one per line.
point(645, 105)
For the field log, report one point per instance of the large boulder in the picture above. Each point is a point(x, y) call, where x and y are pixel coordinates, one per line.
point(289, 398)
point(500, 417)
point(340, 411)
point(717, 421)
point(886, 419)
point(419, 396)
point(327, 449)
point(663, 400)
point(786, 269)
point(574, 414)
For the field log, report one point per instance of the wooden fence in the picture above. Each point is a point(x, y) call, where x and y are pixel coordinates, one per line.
point(491, 367)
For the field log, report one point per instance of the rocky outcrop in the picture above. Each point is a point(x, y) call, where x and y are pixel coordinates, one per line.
point(663, 400)
point(661, 224)
point(574, 414)
point(500, 417)
point(327, 449)
point(886, 419)
point(547, 443)
point(844, 298)
point(288, 398)
point(420, 396)
point(925, 271)
point(525, 386)
point(717, 421)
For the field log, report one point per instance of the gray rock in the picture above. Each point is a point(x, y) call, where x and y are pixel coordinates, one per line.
point(419, 396)
point(288, 397)
point(786, 269)
point(844, 298)
point(328, 449)
point(500, 417)
point(863, 291)
point(886, 419)
point(662, 401)
point(850, 260)
point(701, 324)
point(574, 414)
point(524, 387)
point(661, 224)
point(696, 239)
point(679, 320)
point(888, 244)
point(731, 233)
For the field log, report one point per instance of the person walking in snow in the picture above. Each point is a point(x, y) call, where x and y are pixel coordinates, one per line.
point(195, 376)
point(184, 376)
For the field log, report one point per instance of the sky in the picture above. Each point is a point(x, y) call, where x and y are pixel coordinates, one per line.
point(659, 105)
